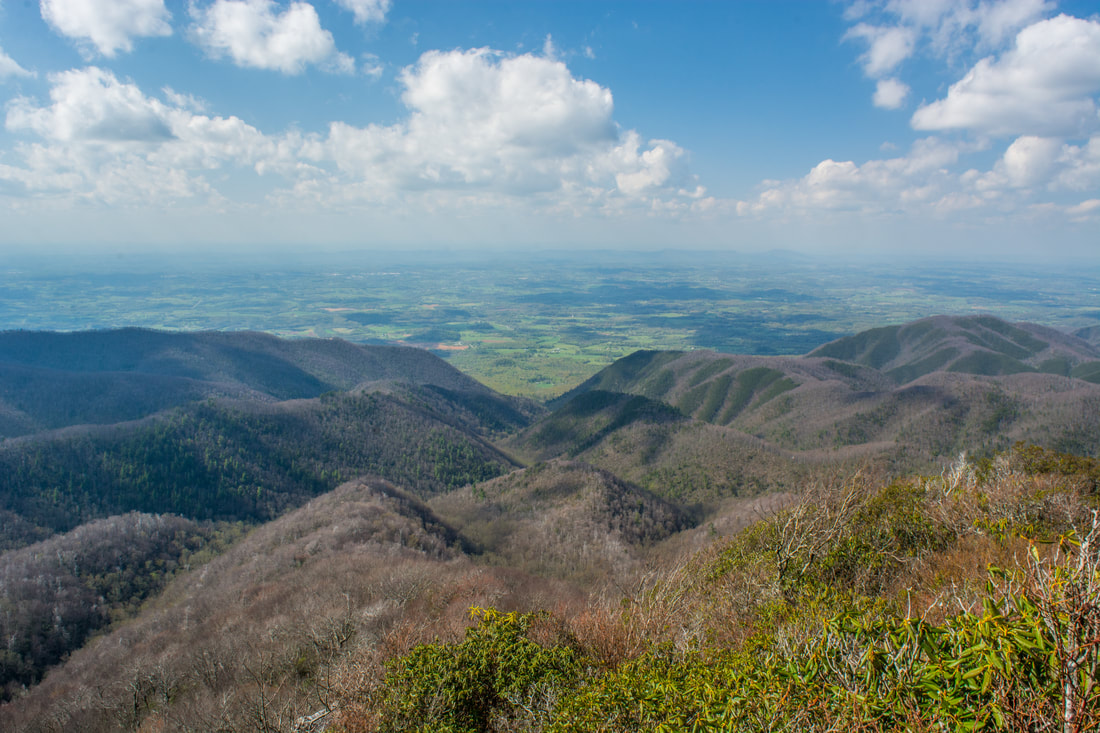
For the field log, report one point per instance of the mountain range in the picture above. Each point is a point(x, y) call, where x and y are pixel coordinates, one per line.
point(273, 501)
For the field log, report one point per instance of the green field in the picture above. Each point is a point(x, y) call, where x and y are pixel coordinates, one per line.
point(537, 326)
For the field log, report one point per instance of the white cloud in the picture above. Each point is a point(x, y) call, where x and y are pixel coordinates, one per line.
point(549, 50)
point(1079, 166)
point(184, 101)
point(9, 68)
point(254, 34)
point(1031, 178)
point(917, 180)
point(857, 9)
point(367, 11)
point(105, 141)
point(484, 99)
point(895, 30)
point(651, 169)
point(890, 93)
point(924, 13)
point(109, 26)
point(372, 66)
point(91, 104)
point(954, 26)
point(1029, 161)
point(1044, 86)
point(888, 47)
point(506, 126)
point(484, 130)
point(1084, 210)
point(999, 21)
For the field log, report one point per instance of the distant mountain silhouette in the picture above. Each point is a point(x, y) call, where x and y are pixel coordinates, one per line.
point(52, 380)
point(914, 392)
point(970, 345)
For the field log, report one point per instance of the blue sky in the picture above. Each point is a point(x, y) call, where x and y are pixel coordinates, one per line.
point(873, 127)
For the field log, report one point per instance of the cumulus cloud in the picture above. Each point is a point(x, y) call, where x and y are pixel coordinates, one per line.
point(367, 11)
point(1079, 166)
point(9, 68)
point(919, 179)
point(108, 26)
point(1031, 79)
point(953, 26)
point(888, 47)
point(483, 129)
point(895, 30)
point(510, 125)
point(1044, 86)
point(651, 169)
point(254, 34)
point(103, 140)
point(998, 22)
point(91, 104)
point(890, 93)
point(506, 101)
point(1032, 176)
point(1027, 162)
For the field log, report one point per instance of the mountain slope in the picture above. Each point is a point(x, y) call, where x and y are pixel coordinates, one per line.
point(561, 519)
point(972, 345)
point(237, 460)
point(51, 380)
point(250, 633)
point(656, 444)
point(908, 394)
point(686, 461)
point(58, 592)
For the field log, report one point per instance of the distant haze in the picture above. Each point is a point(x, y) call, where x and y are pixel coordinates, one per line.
point(857, 128)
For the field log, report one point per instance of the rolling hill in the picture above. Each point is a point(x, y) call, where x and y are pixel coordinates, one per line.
point(373, 494)
point(52, 380)
point(230, 460)
point(970, 345)
point(689, 462)
point(561, 519)
point(909, 395)
point(252, 631)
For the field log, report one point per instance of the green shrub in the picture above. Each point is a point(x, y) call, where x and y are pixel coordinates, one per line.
point(1027, 660)
point(497, 678)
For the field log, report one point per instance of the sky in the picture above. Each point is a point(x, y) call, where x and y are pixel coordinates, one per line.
point(885, 128)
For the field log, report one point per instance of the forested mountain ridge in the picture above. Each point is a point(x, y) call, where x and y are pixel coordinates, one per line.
point(412, 418)
point(891, 355)
point(561, 519)
point(689, 462)
point(967, 344)
point(891, 389)
point(450, 495)
point(237, 461)
point(51, 380)
point(280, 603)
point(58, 592)
point(1090, 334)
point(233, 426)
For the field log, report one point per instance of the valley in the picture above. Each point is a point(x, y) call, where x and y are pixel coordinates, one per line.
point(243, 528)
point(371, 366)
point(538, 324)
